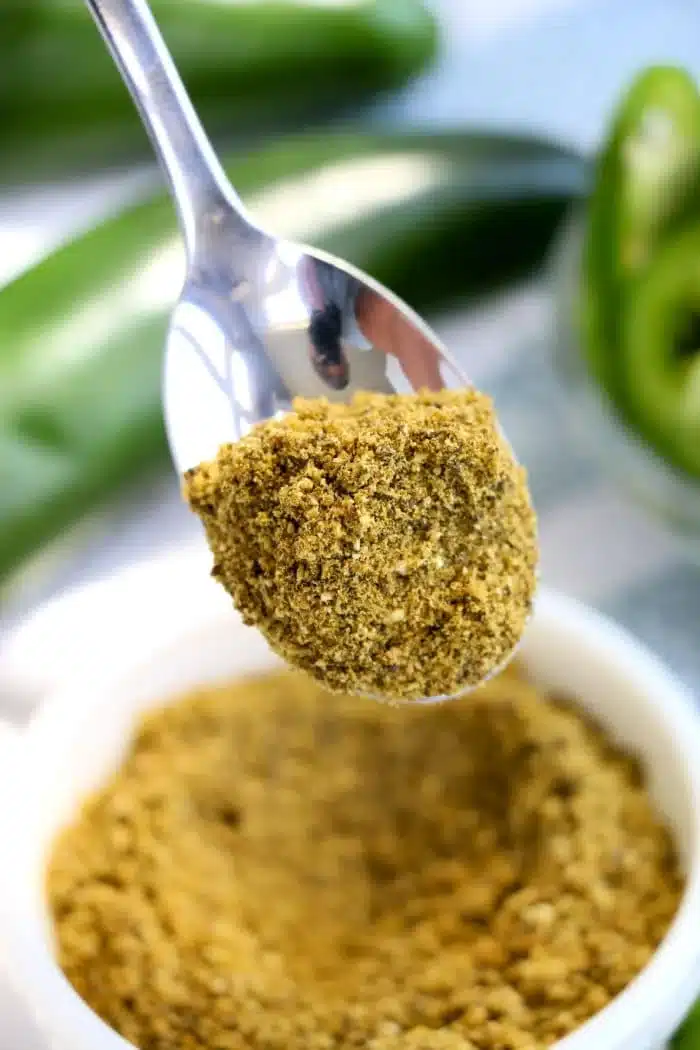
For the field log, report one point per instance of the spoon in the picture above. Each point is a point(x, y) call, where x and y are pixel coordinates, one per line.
point(260, 320)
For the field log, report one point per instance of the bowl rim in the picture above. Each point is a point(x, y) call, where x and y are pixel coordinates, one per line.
point(674, 969)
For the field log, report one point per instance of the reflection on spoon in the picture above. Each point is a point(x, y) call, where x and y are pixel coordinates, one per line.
point(343, 309)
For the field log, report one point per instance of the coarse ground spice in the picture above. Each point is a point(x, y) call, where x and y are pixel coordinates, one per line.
point(386, 547)
point(268, 871)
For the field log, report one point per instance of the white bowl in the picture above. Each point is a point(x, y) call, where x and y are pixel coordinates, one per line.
point(164, 627)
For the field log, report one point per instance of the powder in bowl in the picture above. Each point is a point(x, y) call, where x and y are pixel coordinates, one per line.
point(268, 871)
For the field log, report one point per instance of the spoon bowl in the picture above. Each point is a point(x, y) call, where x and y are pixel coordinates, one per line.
point(259, 325)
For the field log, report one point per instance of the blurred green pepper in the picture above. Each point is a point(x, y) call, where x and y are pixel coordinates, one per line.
point(641, 265)
point(688, 1035)
point(250, 65)
point(645, 175)
point(435, 217)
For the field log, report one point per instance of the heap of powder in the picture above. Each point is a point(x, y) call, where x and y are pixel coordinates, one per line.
point(268, 871)
point(386, 547)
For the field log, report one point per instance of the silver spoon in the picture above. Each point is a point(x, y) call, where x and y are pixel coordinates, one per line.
point(259, 320)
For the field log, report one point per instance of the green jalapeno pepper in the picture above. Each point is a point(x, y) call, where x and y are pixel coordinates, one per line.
point(640, 284)
point(250, 65)
point(688, 1035)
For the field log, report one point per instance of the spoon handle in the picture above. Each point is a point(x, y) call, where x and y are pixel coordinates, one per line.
point(198, 182)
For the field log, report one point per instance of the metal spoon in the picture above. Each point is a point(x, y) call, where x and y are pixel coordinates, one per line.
point(259, 320)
